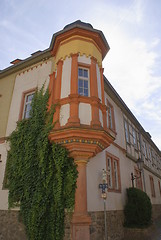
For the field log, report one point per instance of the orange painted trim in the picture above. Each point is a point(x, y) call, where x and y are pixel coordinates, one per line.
point(84, 65)
point(57, 91)
point(80, 32)
point(94, 94)
point(93, 78)
point(84, 139)
point(102, 86)
point(73, 97)
point(74, 74)
point(23, 101)
point(81, 190)
point(51, 89)
point(2, 139)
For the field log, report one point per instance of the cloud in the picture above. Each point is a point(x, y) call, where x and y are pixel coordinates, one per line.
point(132, 62)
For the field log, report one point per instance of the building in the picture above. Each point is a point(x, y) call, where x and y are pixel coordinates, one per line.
point(93, 122)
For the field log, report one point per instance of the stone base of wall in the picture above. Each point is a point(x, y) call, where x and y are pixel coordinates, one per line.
point(156, 211)
point(139, 234)
point(12, 229)
point(10, 226)
point(115, 230)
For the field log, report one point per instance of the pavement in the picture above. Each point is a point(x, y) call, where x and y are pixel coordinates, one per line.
point(156, 233)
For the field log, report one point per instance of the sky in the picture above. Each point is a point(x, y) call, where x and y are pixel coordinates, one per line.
point(131, 27)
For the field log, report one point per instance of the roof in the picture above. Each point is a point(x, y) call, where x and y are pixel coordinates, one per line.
point(40, 55)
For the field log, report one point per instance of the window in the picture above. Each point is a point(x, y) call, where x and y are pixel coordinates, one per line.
point(109, 169)
point(134, 138)
point(110, 116)
point(83, 81)
point(159, 187)
point(26, 100)
point(152, 186)
point(126, 131)
point(145, 149)
point(116, 183)
point(113, 169)
point(27, 105)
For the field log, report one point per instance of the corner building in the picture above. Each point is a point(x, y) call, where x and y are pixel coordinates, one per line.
point(92, 122)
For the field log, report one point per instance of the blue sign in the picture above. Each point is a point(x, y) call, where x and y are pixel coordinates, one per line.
point(103, 186)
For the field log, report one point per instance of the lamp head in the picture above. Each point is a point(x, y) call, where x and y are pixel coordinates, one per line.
point(140, 164)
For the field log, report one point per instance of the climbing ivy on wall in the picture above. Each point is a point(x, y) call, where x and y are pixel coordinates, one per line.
point(41, 176)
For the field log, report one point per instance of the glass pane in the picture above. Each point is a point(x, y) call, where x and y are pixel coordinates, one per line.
point(85, 84)
point(80, 72)
point(85, 73)
point(27, 107)
point(80, 83)
point(29, 98)
point(27, 115)
point(86, 92)
point(80, 91)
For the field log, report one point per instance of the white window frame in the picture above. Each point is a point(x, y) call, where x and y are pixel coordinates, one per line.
point(127, 135)
point(83, 78)
point(115, 166)
point(27, 103)
point(109, 166)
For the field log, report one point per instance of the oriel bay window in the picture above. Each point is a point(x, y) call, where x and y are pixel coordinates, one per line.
point(113, 168)
point(83, 81)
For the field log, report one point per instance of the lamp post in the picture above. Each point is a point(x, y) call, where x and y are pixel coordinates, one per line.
point(140, 164)
point(103, 186)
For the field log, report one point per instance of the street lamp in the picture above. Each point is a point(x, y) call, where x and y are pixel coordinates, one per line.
point(104, 186)
point(140, 164)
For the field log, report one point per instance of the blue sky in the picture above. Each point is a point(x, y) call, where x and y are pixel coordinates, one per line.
point(131, 27)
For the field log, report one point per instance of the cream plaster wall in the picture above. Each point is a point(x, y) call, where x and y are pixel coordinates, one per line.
point(26, 80)
point(29, 79)
point(3, 193)
point(157, 198)
point(101, 117)
point(85, 113)
point(118, 116)
point(84, 59)
point(64, 114)
point(66, 78)
point(6, 90)
point(115, 201)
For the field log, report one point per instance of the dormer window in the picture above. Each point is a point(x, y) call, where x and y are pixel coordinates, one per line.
point(83, 82)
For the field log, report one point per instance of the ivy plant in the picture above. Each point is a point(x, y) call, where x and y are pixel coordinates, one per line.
point(41, 175)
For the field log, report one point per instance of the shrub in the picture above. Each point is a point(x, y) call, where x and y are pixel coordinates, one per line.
point(138, 210)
